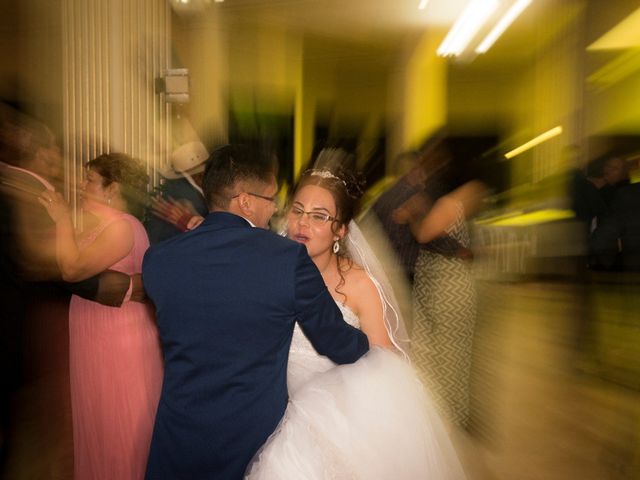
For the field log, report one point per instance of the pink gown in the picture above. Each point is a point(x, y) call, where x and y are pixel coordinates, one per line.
point(116, 377)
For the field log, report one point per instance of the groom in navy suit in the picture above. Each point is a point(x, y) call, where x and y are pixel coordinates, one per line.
point(227, 296)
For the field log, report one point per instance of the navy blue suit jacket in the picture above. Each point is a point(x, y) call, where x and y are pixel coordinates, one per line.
point(227, 297)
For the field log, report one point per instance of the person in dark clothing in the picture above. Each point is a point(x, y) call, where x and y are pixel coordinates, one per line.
point(180, 196)
point(420, 186)
point(32, 294)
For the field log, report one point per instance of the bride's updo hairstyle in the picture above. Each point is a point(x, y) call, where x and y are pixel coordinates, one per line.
point(346, 188)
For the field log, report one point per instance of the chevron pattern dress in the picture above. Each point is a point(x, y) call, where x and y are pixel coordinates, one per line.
point(444, 311)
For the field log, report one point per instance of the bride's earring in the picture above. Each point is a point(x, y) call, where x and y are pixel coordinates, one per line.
point(336, 246)
point(108, 200)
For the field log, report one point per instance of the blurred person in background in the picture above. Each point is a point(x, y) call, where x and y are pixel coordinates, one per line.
point(410, 182)
point(180, 196)
point(585, 193)
point(592, 201)
point(615, 174)
point(444, 291)
point(616, 240)
point(33, 328)
point(415, 168)
point(115, 358)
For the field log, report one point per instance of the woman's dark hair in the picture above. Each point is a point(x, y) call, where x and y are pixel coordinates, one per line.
point(129, 174)
point(346, 188)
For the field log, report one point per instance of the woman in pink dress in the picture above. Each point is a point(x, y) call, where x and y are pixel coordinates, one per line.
point(115, 356)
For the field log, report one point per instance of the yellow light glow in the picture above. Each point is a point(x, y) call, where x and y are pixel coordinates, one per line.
point(554, 132)
point(623, 35)
point(466, 26)
point(621, 67)
point(423, 4)
point(508, 18)
point(496, 218)
point(534, 218)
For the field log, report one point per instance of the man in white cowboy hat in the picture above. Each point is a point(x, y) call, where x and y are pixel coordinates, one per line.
point(181, 193)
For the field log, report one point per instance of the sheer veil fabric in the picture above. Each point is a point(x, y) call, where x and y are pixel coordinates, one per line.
point(362, 254)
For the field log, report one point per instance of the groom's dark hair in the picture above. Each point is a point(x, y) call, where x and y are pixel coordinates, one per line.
point(230, 164)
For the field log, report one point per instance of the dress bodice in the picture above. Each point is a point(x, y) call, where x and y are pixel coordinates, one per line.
point(132, 262)
point(304, 361)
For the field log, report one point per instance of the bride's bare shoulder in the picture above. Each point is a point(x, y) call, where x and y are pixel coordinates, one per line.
point(357, 279)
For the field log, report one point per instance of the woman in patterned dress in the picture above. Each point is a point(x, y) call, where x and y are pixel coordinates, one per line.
point(444, 296)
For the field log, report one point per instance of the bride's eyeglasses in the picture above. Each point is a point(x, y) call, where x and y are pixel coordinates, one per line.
point(315, 218)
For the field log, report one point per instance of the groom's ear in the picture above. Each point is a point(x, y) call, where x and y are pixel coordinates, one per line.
point(244, 203)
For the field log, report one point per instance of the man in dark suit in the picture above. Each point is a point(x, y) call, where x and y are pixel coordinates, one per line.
point(34, 300)
point(227, 297)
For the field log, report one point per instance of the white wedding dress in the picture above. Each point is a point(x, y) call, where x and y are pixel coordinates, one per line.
point(368, 420)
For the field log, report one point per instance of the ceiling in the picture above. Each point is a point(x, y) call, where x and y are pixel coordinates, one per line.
point(376, 24)
point(361, 39)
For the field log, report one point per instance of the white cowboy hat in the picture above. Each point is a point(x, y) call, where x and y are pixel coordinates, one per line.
point(188, 159)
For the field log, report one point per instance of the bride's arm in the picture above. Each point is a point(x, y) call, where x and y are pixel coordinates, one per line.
point(369, 311)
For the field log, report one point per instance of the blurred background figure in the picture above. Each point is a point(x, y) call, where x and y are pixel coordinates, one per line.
point(115, 359)
point(411, 181)
point(593, 197)
point(616, 239)
point(615, 174)
point(585, 193)
point(444, 299)
point(180, 195)
point(30, 163)
point(34, 300)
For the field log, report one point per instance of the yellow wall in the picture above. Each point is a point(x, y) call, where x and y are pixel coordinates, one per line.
point(425, 96)
point(200, 45)
point(31, 51)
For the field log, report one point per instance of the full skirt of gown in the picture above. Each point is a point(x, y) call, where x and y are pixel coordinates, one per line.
point(369, 420)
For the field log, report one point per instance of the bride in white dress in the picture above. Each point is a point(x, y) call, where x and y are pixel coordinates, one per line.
point(369, 420)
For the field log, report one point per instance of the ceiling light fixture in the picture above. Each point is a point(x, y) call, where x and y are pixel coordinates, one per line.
point(466, 26)
point(508, 18)
point(423, 4)
point(543, 137)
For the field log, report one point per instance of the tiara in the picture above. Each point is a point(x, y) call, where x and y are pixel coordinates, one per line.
point(326, 174)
